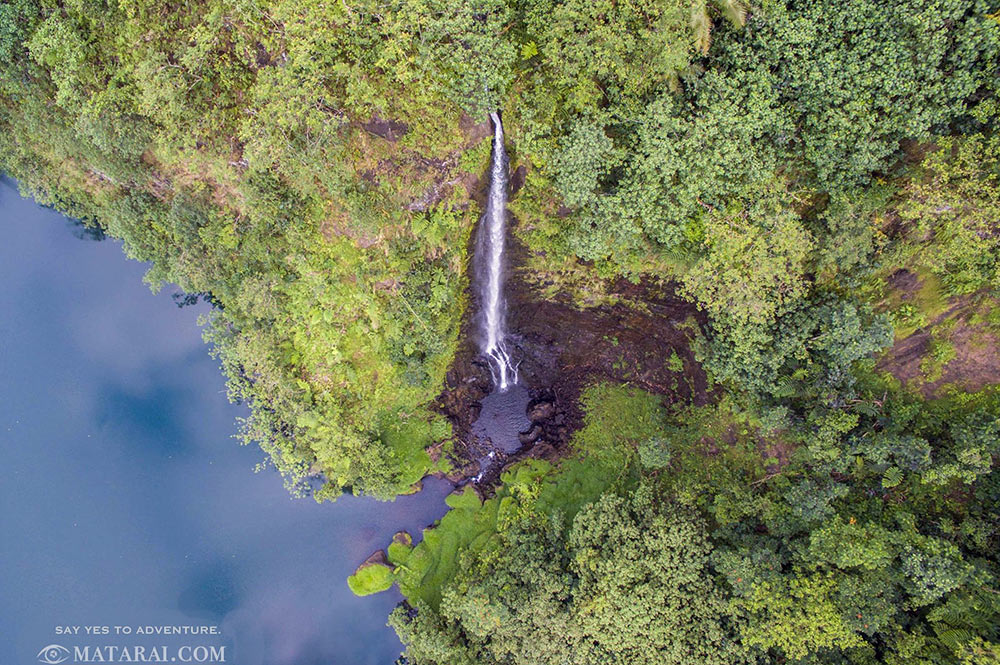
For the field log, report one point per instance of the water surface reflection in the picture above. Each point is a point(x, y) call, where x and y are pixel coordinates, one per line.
point(125, 499)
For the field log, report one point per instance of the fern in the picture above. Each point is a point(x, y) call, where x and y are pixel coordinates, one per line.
point(701, 25)
point(954, 638)
point(974, 612)
point(892, 477)
point(734, 11)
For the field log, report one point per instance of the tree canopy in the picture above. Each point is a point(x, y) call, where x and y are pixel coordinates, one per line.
point(818, 179)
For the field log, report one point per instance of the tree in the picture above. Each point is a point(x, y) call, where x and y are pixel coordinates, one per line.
point(629, 583)
point(953, 203)
point(754, 264)
point(797, 616)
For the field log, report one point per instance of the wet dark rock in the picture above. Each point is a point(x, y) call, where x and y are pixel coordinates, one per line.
point(470, 470)
point(539, 412)
point(543, 450)
point(376, 559)
point(261, 57)
point(529, 437)
point(625, 338)
point(473, 131)
point(390, 130)
point(502, 420)
point(517, 179)
point(624, 335)
point(402, 538)
point(906, 282)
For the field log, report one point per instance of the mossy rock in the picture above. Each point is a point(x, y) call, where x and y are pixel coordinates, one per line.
point(374, 575)
point(371, 579)
point(400, 548)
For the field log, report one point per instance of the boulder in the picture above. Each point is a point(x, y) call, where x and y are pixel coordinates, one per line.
point(377, 558)
point(529, 437)
point(543, 450)
point(464, 473)
point(540, 411)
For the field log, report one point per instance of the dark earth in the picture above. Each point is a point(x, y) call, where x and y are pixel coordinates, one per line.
point(560, 350)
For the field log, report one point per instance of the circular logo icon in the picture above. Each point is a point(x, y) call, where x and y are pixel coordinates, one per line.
point(53, 654)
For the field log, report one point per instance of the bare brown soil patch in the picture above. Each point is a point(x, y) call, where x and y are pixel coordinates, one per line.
point(905, 282)
point(976, 361)
point(976, 364)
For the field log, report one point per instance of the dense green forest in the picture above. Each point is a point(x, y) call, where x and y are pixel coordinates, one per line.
point(820, 179)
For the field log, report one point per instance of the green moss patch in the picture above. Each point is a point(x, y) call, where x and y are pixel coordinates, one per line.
point(371, 578)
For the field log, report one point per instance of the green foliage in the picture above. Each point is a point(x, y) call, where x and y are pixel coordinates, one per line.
point(812, 555)
point(617, 419)
point(454, 46)
point(816, 551)
point(427, 568)
point(975, 442)
point(16, 19)
point(644, 588)
point(797, 617)
point(224, 144)
point(619, 423)
point(932, 568)
point(628, 582)
point(849, 233)
point(753, 267)
point(179, 133)
point(811, 350)
point(628, 49)
point(794, 87)
point(585, 159)
point(851, 545)
point(850, 70)
point(778, 162)
point(654, 453)
point(955, 205)
point(370, 579)
point(941, 352)
point(968, 624)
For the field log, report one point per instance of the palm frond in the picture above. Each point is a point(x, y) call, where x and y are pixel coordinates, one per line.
point(734, 11)
point(701, 25)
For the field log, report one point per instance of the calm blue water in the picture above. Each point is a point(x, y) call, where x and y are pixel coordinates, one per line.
point(125, 501)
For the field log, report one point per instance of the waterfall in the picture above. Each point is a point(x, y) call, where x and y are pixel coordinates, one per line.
point(490, 259)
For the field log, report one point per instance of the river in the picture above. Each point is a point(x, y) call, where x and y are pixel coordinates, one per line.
point(125, 500)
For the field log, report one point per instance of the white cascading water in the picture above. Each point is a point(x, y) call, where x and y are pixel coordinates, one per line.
point(490, 247)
